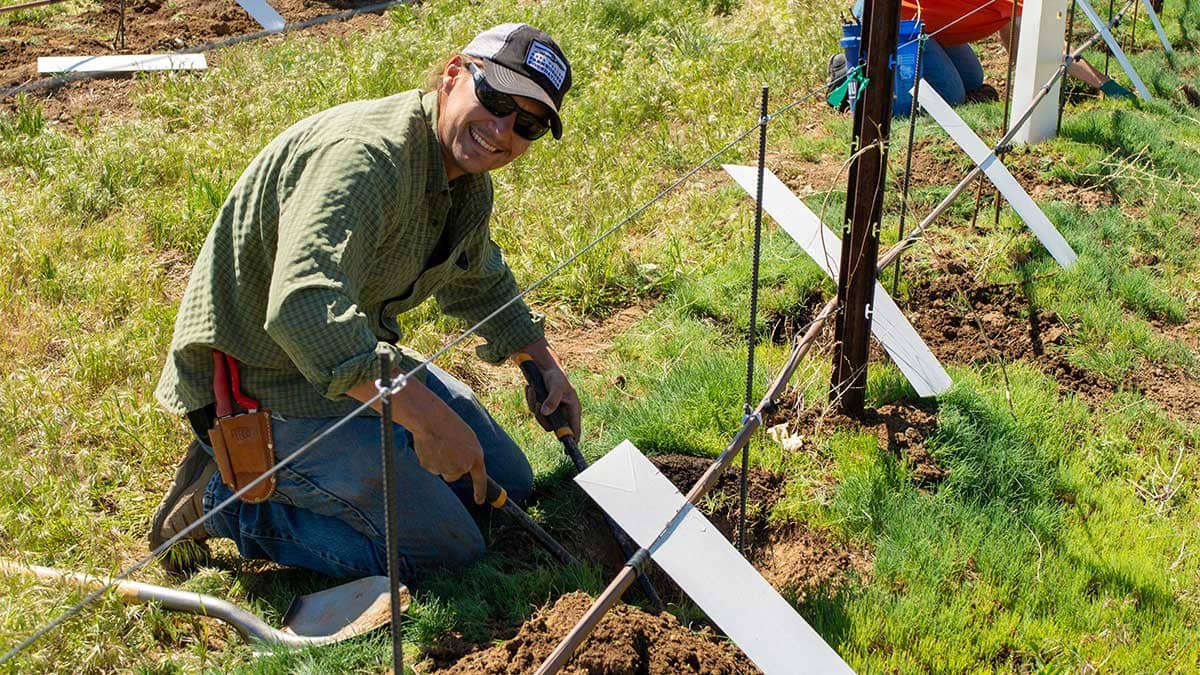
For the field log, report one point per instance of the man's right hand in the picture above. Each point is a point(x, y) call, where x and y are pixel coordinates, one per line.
point(451, 450)
point(444, 444)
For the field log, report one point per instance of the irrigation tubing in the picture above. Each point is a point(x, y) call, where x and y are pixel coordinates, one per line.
point(60, 80)
point(402, 380)
point(29, 5)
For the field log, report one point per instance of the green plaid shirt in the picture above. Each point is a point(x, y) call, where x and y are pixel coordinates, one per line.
point(340, 224)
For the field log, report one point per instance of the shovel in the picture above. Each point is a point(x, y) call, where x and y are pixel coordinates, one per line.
point(320, 618)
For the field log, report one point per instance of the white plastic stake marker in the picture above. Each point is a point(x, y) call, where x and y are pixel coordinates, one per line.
point(705, 565)
point(1162, 35)
point(995, 170)
point(120, 64)
point(264, 14)
point(888, 323)
point(1039, 55)
point(1102, 26)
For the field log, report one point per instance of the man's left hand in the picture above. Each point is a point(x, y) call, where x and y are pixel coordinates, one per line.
point(560, 394)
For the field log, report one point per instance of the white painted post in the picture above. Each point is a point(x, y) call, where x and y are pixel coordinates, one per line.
point(1039, 54)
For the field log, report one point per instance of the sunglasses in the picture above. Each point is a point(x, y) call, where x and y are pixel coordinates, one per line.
point(527, 125)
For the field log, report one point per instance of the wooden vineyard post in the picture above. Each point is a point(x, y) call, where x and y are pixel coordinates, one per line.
point(864, 206)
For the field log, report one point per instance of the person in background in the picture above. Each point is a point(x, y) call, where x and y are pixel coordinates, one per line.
point(949, 63)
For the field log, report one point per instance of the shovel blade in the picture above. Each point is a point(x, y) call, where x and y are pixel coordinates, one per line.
point(344, 611)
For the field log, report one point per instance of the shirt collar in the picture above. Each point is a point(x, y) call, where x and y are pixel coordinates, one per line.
point(436, 181)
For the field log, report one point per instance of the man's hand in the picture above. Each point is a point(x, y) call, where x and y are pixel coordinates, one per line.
point(560, 393)
point(444, 444)
point(451, 450)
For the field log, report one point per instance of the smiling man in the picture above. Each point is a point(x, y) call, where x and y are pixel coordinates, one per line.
point(342, 223)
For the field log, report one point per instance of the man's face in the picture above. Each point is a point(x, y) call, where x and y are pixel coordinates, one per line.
point(473, 140)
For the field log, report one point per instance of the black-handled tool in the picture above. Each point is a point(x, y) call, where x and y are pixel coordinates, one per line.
point(497, 497)
point(561, 427)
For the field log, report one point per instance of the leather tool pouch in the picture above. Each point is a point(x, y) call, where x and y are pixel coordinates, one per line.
point(244, 450)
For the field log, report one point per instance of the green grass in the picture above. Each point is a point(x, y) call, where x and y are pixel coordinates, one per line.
point(1063, 539)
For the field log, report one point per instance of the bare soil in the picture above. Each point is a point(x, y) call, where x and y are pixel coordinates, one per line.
point(151, 26)
point(794, 558)
point(967, 321)
point(902, 428)
point(626, 640)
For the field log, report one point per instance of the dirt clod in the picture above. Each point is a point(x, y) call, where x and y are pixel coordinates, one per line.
point(626, 640)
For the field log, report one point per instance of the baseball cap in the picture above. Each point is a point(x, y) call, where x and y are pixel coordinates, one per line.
point(524, 61)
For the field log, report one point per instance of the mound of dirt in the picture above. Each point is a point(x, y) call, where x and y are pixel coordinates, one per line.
point(800, 560)
point(793, 558)
point(763, 491)
point(902, 428)
point(626, 640)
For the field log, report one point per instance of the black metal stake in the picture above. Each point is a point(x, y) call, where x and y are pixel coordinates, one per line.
point(119, 39)
point(1132, 44)
point(912, 130)
point(752, 338)
point(391, 507)
point(1012, 63)
point(1107, 49)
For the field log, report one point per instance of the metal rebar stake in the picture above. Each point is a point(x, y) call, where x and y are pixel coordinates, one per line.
point(764, 117)
point(1012, 62)
point(914, 109)
point(391, 506)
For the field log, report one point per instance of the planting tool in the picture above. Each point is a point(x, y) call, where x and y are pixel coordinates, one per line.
point(320, 618)
point(497, 497)
point(558, 424)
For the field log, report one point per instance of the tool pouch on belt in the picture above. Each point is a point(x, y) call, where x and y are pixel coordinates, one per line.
point(241, 437)
point(244, 449)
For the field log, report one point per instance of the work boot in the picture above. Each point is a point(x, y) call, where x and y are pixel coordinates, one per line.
point(986, 93)
point(182, 506)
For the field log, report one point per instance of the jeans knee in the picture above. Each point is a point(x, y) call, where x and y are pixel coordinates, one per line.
point(520, 485)
point(465, 547)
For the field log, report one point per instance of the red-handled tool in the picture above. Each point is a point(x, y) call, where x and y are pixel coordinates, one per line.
point(235, 385)
point(227, 381)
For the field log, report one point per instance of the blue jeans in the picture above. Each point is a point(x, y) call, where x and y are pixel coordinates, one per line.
point(953, 71)
point(327, 514)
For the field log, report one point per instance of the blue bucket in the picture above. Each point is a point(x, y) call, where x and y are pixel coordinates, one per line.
point(905, 74)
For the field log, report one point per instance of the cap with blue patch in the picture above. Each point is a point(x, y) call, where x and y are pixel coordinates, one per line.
point(524, 61)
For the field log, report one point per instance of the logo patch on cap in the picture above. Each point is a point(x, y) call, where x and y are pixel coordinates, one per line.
point(543, 59)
